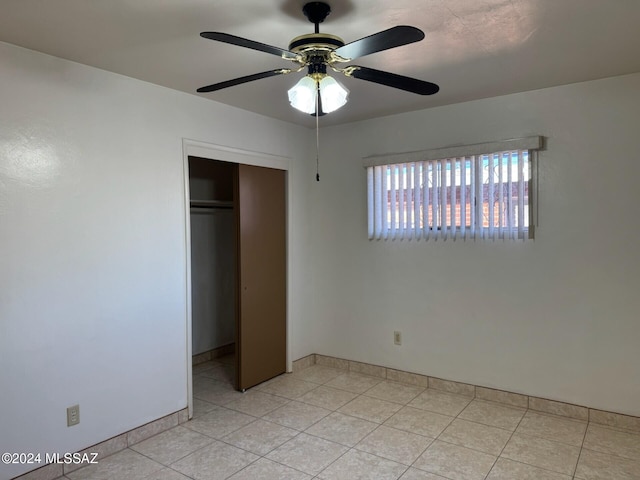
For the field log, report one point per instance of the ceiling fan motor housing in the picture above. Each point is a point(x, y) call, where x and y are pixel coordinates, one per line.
point(315, 41)
point(317, 68)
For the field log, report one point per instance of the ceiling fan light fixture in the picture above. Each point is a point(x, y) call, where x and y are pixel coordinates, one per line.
point(333, 94)
point(302, 96)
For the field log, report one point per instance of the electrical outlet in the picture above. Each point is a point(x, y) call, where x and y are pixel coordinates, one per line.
point(73, 415)
point(397, 338)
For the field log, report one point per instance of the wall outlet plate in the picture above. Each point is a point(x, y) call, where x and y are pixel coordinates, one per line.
point(73, 415)
point(397, 338)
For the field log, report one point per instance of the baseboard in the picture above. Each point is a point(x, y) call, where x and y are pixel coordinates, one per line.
point(213, 354)
point(111, 446)
point(136, 435)
point(579, 412)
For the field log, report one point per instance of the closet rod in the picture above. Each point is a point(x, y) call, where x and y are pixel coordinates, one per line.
point(209, 211)
point(211, 204)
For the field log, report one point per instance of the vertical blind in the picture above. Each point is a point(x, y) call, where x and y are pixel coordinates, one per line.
point(472, 196)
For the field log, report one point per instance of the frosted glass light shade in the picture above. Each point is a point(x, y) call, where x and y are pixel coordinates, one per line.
point(302, 95)
point(333, 94)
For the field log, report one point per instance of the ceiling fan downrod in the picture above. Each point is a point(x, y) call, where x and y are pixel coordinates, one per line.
point(316, 12)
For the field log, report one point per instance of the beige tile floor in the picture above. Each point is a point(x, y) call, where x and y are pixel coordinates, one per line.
point(328, 424)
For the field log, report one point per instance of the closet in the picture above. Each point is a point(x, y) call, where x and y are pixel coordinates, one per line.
point(238, 265)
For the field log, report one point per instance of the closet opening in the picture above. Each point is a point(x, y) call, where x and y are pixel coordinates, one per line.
point(238, 270)
point(213, 262)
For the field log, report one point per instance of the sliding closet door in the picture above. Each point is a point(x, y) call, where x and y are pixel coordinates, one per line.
point(260, 205)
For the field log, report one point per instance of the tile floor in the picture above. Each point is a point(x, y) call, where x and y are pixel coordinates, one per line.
point(330, 424)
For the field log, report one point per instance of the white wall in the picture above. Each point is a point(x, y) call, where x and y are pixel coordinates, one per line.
point(556, 317)
point(92, 246)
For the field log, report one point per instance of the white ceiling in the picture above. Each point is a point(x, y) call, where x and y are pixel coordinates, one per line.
point(473, 48)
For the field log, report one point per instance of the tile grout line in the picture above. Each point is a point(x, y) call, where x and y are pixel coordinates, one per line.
point(168, 466)
point(457, 417)
point(438, 436)
point(272, 460)
point(260, 456)
point(584, 437)
point(405, 404)
point(378, 425)
point(507, 442)
point(353, 448)
point(539, 412)
point(548, 440)
point(451, 422)
point(589, 410)
point(349, 448)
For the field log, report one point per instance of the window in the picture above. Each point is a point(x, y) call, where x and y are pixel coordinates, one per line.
point(461, 193)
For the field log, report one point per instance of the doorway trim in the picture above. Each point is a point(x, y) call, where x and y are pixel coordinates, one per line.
point(196, 148)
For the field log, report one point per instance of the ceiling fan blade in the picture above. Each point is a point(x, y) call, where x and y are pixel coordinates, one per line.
point(409, 84)
point(244, 42)
point(391, 38)
point(241, 80)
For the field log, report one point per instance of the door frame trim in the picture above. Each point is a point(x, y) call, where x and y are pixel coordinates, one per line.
point(196, 148)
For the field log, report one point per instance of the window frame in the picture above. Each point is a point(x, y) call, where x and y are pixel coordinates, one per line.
point(446, 158)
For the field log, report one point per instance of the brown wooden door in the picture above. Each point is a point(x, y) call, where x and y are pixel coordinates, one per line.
point(261, 323)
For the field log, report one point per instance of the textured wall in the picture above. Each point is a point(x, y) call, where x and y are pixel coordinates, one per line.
point(556, 317)
point(92, 246)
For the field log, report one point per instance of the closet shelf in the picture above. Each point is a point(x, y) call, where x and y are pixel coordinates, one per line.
point(211, 203)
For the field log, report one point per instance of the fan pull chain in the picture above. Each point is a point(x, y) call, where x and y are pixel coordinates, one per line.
point(318, 135)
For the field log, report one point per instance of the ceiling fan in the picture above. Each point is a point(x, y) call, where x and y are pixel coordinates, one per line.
point(317, 92)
